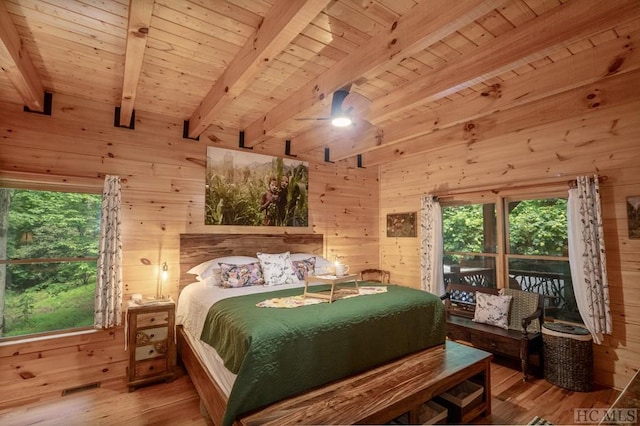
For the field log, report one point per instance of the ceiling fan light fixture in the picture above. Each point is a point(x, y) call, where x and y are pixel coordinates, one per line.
point(341, 121)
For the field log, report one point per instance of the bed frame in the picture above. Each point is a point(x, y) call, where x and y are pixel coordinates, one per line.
point(374, 396)
point(198, 248)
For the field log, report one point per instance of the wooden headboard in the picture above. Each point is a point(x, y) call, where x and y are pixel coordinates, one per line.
point(198, 248)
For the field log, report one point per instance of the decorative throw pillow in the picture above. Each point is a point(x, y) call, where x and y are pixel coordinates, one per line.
point(240, 275)
point(304, 267)
point(277, 268)
point(492, 309)
point(205, 269)
point(323, 266)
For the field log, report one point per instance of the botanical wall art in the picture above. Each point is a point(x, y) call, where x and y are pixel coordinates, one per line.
point(401, 225)
point(243, 188)
point(633, 216)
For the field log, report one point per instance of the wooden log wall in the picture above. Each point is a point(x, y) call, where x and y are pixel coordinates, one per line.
point(163, 196)
point(544, 144)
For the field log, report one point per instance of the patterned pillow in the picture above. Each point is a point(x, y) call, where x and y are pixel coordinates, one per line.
point(323, 266)
point(492, 309)
point(277, 268)
point(214, 265)
point(305, 267)
point(232, 275)
point(208, 268)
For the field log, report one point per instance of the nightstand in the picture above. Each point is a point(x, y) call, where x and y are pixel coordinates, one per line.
point(151, 343)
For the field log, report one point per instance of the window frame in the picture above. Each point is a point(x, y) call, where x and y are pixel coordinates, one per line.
point(51, 183)
point(501, 198)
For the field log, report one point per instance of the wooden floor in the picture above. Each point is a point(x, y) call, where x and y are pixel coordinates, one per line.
point(176, 403)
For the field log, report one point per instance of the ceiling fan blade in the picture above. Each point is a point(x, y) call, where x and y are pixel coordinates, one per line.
point(336, 103)
point(336, 107)
point(312, 118)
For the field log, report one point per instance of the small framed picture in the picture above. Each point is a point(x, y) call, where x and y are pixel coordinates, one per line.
point(402, 225)
point(633, 216)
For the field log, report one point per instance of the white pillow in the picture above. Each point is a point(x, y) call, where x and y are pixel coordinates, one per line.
point(198, 270)
point(492, 309)
point(212, 281)
point(322, 266)
point(277, 268)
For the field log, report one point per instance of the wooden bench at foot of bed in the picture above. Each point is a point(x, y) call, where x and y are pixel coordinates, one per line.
point(380, 395)
point(376, 396)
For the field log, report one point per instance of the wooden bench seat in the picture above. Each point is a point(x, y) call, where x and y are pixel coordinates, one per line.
point(519, 341)
point(378, 396)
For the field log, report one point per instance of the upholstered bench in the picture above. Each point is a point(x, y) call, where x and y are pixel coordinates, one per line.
point(506, 324)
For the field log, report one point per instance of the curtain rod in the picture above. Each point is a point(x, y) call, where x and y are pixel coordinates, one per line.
point(571, 184)
point(574, 183)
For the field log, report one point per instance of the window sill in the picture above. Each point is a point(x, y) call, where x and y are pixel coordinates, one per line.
point(8, 341)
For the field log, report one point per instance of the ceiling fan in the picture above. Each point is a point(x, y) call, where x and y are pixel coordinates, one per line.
point(338, 117)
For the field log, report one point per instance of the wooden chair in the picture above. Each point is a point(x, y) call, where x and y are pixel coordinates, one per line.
point(375, 275)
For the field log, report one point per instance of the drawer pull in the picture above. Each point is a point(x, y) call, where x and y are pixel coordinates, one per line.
point(151, 352)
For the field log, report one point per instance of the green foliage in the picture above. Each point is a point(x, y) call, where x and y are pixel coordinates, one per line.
point(536, 227)
point(36, 311)
point(24, 308)
point(463, 228)
point(58, 225)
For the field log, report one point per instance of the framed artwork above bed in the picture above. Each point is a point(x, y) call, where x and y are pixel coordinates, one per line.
point(248, 189)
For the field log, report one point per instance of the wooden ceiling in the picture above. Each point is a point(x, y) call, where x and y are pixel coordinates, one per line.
point(420, 72)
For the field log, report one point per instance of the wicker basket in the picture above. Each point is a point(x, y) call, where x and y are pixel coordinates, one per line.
point(568, 356)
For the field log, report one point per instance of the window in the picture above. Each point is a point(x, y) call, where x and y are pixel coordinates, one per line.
point(470, 243)
point(48, 260)
point(518, 242)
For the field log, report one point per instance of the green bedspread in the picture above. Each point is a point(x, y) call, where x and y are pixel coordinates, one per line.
point(277, 353)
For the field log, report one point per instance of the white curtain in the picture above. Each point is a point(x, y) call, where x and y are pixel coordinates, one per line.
point(108, 301)
point(587, 256)
point(432, 279)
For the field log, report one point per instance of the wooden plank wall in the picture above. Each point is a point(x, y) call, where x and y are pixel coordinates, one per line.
point(599, 139)
point(163, 196)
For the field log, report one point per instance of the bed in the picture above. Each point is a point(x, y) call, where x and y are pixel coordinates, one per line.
point(331, 341)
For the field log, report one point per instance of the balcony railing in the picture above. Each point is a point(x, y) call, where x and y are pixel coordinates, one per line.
point(553, 285)
point(480, 277)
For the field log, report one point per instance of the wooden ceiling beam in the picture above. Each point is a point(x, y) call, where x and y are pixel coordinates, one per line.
point(140, 12)
point(522, 121)
point(17, 65)
point(535, 39)
point(425, 24)
point(282, 24)
point(613, 57)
